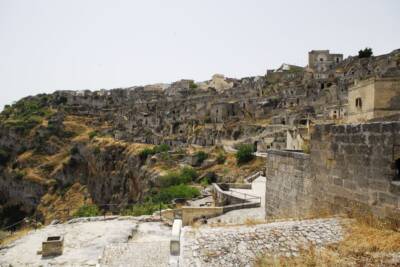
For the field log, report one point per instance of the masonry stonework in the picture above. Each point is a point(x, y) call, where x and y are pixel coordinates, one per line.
point(288, 184)
point(349, 167)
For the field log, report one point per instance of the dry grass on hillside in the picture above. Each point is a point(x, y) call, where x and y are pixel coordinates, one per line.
point(7, 238)
point(235, 172)
point(62, 207)
point(363, 245)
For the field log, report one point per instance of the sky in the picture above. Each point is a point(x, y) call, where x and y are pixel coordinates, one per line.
point(49, 45)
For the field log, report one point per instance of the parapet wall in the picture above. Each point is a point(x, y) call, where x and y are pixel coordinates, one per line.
point(349, 167)
point(288, 184)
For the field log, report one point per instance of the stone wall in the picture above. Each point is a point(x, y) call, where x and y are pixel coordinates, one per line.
point(354, 166)
point(190, 214)
point(288, 184)
point(350, 168)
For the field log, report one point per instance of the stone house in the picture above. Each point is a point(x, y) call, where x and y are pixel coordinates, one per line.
point(223, 110)
point(323, 60)
point(374, 98)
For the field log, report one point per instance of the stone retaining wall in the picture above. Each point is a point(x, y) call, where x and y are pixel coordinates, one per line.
point(223, 198)
point(288, 184)
point(350, 168)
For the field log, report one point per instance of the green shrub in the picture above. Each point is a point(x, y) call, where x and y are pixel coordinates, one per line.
point(244, 153)
point(221, 158)
point(19, 174)
point(161, 148)
point(192, 85)
point(87, 211)
point(201, 156)
point(26, 113)
point(210, 178)
point(186, 175)
point(166, 195)
point(93, 134)
point(171, 178)
point(147, 208)
point(365, 53)
point(145, 153)
point(157, 149)
point(165, 156)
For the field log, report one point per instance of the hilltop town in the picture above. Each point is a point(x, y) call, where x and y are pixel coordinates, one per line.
point(324, 141)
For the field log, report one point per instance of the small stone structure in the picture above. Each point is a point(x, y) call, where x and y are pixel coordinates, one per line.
point(175, 245)
point(53, 246)
point(323, 60)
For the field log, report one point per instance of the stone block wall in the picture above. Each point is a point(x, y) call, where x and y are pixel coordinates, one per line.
point(354, 167)
point(350, 168)
point(288, 184)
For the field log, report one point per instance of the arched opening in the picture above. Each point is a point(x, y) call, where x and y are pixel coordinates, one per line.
point(255, 146)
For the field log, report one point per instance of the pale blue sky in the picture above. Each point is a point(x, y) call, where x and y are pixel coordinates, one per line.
point(48, 45)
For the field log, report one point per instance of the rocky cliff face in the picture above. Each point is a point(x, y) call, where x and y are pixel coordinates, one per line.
point(86, 142)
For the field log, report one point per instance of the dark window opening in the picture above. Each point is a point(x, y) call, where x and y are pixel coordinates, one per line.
point(397, 170)
point(358, 102)
point(283, 121)
point(322, 86)
point(303, 121)
point(321, 59)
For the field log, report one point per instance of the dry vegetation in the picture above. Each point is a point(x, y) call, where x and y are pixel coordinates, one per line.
point(7, 238)
point(62, 207)
point(364, 245)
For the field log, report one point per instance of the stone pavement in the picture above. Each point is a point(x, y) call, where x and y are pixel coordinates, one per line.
point(143, 254)
point(240, 245)
point(149, 247)
point(83, 243)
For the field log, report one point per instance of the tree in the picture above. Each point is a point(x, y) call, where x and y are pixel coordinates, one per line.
point(365, 53)
point(244, 153)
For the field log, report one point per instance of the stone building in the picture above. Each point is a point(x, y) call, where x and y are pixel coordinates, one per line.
point(323, 60)
point(374, 98)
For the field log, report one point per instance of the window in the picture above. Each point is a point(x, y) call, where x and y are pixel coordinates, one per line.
point(337, 60)
point(358, 103)
point(321, 59)
point(397, 170)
